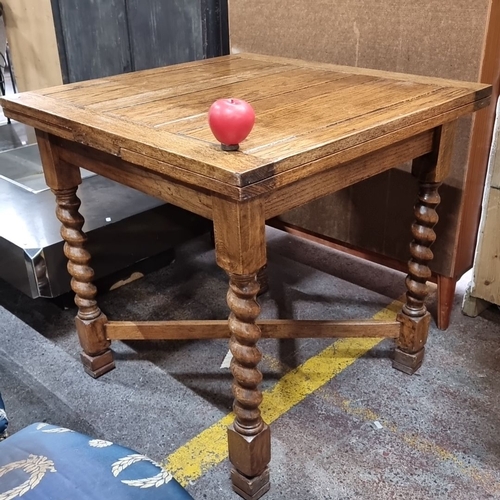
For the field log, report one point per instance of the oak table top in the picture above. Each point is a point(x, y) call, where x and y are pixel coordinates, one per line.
point(305, 112)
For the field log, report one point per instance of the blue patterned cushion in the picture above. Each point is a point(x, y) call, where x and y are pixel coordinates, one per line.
point(3, 418)
point(44, 462)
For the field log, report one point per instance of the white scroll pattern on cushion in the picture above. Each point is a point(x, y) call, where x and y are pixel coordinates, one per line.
point(163, 477)
point(36, 466)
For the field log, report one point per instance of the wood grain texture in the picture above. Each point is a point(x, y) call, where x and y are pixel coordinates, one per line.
point(273, 329)
point(304, 113)
point(176, 89)
point(181, 114)
point(240, 239)
point(57, 175)
point(129, 174)
point(289, 193)
point(443, 82)
point(436, 166)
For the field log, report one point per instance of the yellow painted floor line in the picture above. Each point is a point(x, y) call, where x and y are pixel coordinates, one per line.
point(209, 448)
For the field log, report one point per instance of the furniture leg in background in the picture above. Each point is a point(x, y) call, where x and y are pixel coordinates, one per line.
point(64, 179)
point(446, 287)
point(430, 170)
point(240, 245)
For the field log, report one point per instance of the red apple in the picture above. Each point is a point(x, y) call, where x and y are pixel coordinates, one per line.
point(231, 120)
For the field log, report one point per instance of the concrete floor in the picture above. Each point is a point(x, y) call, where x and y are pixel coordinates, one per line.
point(439, 429)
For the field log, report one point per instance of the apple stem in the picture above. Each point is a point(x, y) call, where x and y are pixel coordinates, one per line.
point(230, 147)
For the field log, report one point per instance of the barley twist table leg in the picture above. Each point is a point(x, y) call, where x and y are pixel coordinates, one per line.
point(240, 248)
point(249, 436)
point(97, 358)
point(415, 318)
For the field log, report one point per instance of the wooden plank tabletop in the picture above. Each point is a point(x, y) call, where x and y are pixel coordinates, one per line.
point(304, 112)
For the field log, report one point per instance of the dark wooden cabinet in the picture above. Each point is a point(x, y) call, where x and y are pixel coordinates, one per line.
point(98, 38)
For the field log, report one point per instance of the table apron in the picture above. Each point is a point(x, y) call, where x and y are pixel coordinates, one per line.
point(193, 199)
point(305, 190)
point(198, 199)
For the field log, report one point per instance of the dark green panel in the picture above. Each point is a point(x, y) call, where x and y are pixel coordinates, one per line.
point(93, 38)
point(165, 32)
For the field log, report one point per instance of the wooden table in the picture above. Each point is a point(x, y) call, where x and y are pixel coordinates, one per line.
point(319, 128)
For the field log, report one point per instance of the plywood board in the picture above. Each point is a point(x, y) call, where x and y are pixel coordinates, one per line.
point(32, 41)
point(486, 281)
point(487, 270)
point(495, 177)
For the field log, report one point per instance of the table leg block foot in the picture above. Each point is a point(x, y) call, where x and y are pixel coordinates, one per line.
point(98, 365)
point(250, 488)
point(250, 455)
point(406, 362)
